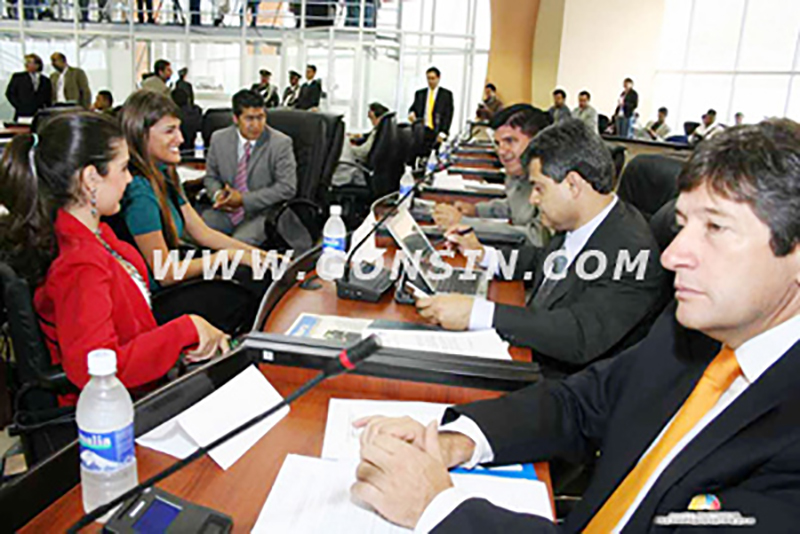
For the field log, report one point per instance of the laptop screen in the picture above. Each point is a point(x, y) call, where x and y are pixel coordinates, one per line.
point(413, 241)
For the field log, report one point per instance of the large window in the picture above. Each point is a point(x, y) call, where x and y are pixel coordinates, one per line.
point(731, 56)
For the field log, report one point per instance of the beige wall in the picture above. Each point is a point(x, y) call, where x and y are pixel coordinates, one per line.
point(546, 51)
point(605, 41)
point(510, 55)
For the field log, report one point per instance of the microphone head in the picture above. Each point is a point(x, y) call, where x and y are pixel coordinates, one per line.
point(364, 349)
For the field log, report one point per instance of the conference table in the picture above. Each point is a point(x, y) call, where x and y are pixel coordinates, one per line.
point(242, 490)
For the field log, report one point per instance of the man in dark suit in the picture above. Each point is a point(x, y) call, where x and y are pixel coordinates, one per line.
point(311, 91)
point(700, 417)
point(29, 91)
point(267, 91)
point(623, 115)
point(434, 107)
point(588, 300)
point(184, 85)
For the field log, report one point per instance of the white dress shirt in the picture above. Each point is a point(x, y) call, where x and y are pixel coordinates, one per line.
point(482, 315)
point(755, 357)
point(60, 89)
point(240, 146)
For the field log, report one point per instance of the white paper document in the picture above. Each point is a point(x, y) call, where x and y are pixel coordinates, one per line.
point(479, 343)
point(341, 438)
point(453, 182)
point(243, 397)
point(188, 174)
point(484, 186)
point(312, 495)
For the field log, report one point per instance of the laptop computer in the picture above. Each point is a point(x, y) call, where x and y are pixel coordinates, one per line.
point(424, 257)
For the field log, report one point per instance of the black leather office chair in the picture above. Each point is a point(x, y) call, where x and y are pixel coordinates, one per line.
point(602, 123)
point(43, 115)
point(42, 425)
point(385, 165)
point(689, 127)
point(215, 119)
point(650, 181)
point(334, 131)
point(663, 225)
point(618, 155)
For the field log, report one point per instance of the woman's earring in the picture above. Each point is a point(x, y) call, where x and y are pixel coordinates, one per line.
point(93, 201)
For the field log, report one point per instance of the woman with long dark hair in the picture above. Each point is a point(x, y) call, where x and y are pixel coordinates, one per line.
point(92, 289)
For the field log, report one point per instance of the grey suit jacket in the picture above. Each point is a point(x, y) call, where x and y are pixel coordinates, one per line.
point(76, 86)
point(517, 207)
point(271, 172)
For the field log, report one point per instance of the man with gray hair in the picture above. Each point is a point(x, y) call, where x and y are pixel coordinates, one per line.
point(596, 287)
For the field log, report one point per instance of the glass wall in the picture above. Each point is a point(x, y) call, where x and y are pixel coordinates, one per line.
point(362, 55)
point(731, 56)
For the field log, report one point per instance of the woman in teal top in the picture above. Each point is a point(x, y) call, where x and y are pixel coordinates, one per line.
point(154, 206)
point(160, 219)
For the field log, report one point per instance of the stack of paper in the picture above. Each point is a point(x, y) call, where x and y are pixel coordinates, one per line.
point(243, 397)
point(312, 495)
point(188, 174)
point(453, 182)
point(484, 186)
point(479, 343)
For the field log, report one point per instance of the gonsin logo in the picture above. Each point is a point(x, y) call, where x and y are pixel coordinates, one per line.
point(592, 264)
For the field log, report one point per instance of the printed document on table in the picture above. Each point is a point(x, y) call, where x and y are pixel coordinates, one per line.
point(312, 495)
point(479, 343)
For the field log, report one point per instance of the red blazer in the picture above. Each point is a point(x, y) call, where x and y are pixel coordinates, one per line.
point(88, 301)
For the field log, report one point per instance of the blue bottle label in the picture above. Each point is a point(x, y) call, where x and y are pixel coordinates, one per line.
point(333, 243)
point(106, 452)
point(404, 189)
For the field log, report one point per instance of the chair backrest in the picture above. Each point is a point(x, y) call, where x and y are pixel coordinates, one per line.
point(33, 358)
point(650, 181)
point(334, 131)
point(405, 137)
point(663, 225)
point(309, 141)
point(689, 127)
point(618, 155)
point(215, 119)
point(43, 115)
point(602, 122)
point(677, 139)
point(385, 158)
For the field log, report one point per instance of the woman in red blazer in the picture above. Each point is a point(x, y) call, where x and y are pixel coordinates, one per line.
point(92, 288)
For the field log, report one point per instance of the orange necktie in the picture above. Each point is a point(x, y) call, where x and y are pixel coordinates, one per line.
point(716, 379)
point(429, 110)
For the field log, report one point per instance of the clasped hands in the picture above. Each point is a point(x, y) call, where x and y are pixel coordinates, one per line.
point(404, 466)
point(228, 199)
point(452, 311)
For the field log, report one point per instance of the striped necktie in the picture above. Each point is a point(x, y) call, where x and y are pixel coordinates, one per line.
point(717, 378)
point(240, 182)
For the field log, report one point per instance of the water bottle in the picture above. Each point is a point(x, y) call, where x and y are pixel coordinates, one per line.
point(433, 163)
point(406, 185)
point(105, 434)
point(199, 146)
point(330, 265)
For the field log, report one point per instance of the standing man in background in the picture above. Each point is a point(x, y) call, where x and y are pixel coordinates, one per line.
point(585, 112)
point(162, 72)
point(434, 106)
point(29, 91)
point(311, 91)
point(291, 93)
point(627, 104)
point(267, 91)
point(70, 84)
point(185, 86)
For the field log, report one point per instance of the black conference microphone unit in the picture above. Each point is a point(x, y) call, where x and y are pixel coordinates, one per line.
point(371, 287)
point(347, 360)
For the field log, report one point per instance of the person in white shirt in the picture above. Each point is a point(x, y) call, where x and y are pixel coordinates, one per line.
point(656, 130)
point(700, 417)
point(708, 129)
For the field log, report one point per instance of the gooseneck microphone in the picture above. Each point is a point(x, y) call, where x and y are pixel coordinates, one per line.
point(346, 361)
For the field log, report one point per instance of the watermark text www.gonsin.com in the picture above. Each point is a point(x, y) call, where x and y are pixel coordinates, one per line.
point(589, 265)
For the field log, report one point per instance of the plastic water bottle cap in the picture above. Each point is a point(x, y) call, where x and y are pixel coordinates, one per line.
point(336, 211)
point(102, 362)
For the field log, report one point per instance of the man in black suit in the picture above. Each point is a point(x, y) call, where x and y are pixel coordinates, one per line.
point(292, 91)
point(29, 91)
point(701, 416)
point(311, 91)
point(587, 301)
point(434, 107)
